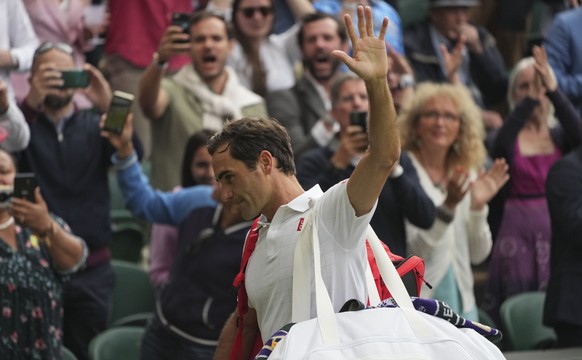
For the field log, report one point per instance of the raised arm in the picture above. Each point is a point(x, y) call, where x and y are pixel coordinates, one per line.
point(152, 98)
point(370, 62)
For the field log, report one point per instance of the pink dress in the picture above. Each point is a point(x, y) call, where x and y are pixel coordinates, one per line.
point(520, 260)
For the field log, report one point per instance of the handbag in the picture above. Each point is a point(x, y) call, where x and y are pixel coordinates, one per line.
point(387, 333)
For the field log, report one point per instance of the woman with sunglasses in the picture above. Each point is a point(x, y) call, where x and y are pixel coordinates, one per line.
point(37, 252)
point(263, 61)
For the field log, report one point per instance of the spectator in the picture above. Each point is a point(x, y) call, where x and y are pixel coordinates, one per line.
point(14, 132)
point(17, 41)
point(196, 301)
point(71, 160)
point(253, 161)
point(564, 193)
point(303, 110)
point(134, 32)
point(196, 170)
point(264, 62)
point(519, 216)
point(401, 198)
point(443, 135)
point(60, 21)
point(202, 94)
point(37, 252)
point(564, 46)
point(481, 68)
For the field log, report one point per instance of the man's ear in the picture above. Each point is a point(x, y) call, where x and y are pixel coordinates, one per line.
point(266, 161)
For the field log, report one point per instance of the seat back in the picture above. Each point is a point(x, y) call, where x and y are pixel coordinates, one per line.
point(116, 344)
point(522, 316)
point(68, 354)
point(133, 292)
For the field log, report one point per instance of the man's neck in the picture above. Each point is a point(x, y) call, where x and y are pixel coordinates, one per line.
point(285, 189)
point(56, 115)
point(218, 83)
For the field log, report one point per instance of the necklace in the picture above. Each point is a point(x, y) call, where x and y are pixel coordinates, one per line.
point(7, 223)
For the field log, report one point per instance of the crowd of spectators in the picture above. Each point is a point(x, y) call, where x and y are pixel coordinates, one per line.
point(482, 120)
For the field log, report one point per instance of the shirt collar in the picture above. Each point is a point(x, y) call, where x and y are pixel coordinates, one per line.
point(299, 204)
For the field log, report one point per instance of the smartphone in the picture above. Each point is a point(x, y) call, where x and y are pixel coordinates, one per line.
point(359, 118)
point(74, 78)
point(183, 21)
point(118, 111)
point(24, 185)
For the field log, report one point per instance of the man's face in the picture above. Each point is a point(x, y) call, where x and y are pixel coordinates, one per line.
point(210, 48)
point(352, 97)
point(57, 60)
point(448, 20)
point(320, 38)
point(240, 186)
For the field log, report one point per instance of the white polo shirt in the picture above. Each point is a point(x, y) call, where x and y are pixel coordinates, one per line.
point(269, 273)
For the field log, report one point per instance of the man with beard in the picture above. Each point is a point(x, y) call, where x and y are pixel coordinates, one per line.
point(70, 159)
point(203, 94)
point(304, 109)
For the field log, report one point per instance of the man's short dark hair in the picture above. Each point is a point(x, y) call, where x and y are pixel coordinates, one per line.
point(341, 28)
point(198, 16)
point(247, 137)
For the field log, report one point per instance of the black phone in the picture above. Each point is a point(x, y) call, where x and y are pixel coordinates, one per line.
point(117, 114)
point(24, 185)
point(74, 78)
point(183, 21)
point(359, 118)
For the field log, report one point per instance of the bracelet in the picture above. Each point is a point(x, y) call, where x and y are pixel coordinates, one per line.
point(444, 214)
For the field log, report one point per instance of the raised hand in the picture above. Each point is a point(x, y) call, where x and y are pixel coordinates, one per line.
point(353, 141)
point(488, 184)
point(453, 60)
point(44, 81)
point(369, 60)
point(457, 187)
point(543, 69)
point(121, 142)
point(170, 44)
point(98, 91)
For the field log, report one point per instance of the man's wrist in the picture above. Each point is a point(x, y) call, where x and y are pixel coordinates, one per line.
point(158, 62)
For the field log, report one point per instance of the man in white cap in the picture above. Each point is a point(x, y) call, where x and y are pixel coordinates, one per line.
point(481, 68)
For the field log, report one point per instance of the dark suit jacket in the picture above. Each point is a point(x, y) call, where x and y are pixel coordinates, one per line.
point(564, 194)
point(297, 109)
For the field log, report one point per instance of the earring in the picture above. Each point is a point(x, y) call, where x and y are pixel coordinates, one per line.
point(457, 147)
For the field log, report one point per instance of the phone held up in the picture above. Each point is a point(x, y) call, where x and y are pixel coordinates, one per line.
point(24, 185)
point(359, 118)
point(74, 78)
point(117, 114)
point(183, 21)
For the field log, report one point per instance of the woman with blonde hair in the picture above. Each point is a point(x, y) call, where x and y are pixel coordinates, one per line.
point(443, 133)
point(519, 216)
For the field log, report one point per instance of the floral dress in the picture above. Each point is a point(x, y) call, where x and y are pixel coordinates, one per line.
point(30, 300)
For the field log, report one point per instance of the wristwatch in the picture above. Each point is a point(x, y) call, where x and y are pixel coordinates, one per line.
point(157, 62)
point(406, 81)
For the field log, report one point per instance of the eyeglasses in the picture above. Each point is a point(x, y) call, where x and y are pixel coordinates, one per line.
point(46, 46)
point(249, 12)
point(434, 116)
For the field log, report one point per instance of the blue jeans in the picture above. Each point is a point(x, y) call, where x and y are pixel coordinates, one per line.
point(159, 343)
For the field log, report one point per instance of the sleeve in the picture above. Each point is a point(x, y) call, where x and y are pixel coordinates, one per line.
point(569, 118)
point(480, 241)
point(156, 206)
point(558, 43)
point(23, 40)
point(289, 43)
point(416, 206)
point(508, 132)
point(338, 217)
point(18, 131)
point(489, 70)
point(83, 259)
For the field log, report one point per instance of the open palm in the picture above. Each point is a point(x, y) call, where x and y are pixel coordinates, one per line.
point(488, 184)
point(369, 59)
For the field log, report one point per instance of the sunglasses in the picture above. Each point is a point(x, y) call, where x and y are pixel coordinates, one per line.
point(249, 12)
point(46, 46)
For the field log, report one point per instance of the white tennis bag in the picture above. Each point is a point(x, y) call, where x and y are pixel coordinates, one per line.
point(375, 334)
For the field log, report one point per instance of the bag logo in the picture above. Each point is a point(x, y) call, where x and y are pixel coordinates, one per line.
point(300, 225)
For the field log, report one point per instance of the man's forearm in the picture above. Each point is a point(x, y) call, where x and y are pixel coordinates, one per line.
point(384, 136)
point(149, 91)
